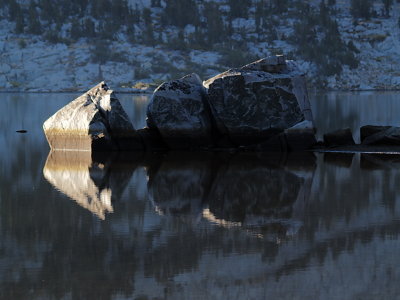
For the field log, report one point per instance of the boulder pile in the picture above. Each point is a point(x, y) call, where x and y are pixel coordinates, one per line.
point(262, 106)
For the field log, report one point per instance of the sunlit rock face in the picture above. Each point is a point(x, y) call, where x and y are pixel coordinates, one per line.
point(94, 121)
point(93, 185)
point(258, 101)
point(180, 112)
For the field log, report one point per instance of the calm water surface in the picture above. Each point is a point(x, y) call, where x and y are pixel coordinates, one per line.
point(198, 226)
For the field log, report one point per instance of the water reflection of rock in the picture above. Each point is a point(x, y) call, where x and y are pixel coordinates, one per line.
point(179, 185)
point(92, 182)
point(266, 194)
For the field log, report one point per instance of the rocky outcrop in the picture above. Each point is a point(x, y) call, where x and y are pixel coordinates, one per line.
point(179, 110)
point(262, 106)
point(369, 130)
point(152, 140)
point(300, 137)
point(380, 135)
point(341, 137)
point(258, 101)
point(94, 121)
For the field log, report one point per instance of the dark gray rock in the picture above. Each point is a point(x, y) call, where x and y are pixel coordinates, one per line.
point(341, 137)
point(276, 143)
point(380, 135)
point(368, 130)
point(152, 139)
point(180, 112)
point(258, 101)
point(300, 137)
point(94, 121)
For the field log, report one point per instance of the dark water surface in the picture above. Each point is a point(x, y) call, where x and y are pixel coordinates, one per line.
point(197, 225)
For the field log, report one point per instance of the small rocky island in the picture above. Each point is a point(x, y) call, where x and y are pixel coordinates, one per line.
point(262, 106)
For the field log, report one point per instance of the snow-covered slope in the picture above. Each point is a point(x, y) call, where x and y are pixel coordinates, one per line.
point(31, 63)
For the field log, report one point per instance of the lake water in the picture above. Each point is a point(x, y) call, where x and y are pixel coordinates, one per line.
point(198, 225)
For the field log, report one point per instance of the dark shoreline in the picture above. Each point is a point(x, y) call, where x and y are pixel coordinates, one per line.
point(378, 149)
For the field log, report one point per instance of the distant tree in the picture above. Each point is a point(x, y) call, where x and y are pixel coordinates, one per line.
point(135, 15)
point(280, 6)
point(120, 11)
point(14, 10)
point(352, 47)
point(198, 39)
point(52, 37)
point(181, 12)
point(76, 30)
point(259, 14)
point(89, 28)
point(148, 37)
point(99, 8)
point(361, 9)
point(387, 5)
point(34, 25)
point(109, 28)
point(239, 9)
point(331, 2)
point(81, 5)
point(215, 25)
point(48, 11)
point(19, 23)
point(179, 42)
point(155, 3)
point(323, 12)
point(131, 31)
point(101, 53)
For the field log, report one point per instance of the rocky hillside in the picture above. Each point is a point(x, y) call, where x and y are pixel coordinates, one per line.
point(70, 45)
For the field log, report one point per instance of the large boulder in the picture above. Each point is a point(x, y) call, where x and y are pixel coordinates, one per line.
point(369, 130)
point(95, 121)
point(258, 101)
point(179, 111)
point(380, 135)
point(341, 137)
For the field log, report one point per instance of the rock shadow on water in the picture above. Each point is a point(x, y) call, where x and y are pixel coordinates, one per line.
point(93, 181)
point(379, 161)
point(265, 194)
point(343, 160)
